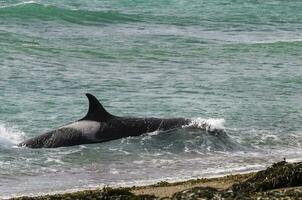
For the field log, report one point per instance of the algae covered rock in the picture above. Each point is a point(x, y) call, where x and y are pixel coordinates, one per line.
point(280, 175)
point(197, 193)
point(104, 194)
point(288, 194)
point(262, 185)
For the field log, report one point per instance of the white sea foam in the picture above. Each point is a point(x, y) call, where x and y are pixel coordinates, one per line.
point(27, 2)
point(153, 133)
point(211, 124)
point(9, 135)
point(280, 40)
point(114, 171)
point(19, 4)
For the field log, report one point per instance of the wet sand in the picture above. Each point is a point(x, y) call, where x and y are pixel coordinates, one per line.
point(165, 189)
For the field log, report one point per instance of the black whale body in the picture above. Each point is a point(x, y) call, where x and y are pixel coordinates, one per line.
point(100, 126)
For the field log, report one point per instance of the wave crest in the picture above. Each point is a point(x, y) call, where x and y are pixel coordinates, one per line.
point(211, 124)
point(35, 11)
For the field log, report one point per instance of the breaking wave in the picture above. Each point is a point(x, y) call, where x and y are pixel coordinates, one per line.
point(34, 11)
point(211, 124)
point(10, 136)
point(279, 41)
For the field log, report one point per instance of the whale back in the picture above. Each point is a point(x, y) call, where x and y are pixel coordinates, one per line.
point(96, 111)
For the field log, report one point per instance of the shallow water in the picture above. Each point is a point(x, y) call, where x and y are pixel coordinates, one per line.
point(239, 61)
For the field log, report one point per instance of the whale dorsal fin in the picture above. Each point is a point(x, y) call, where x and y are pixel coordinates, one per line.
point(96, 111)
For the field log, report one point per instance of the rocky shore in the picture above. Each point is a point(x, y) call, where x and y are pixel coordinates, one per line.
point(280, 181)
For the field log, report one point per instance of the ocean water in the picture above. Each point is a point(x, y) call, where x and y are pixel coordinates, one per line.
point(234, 65)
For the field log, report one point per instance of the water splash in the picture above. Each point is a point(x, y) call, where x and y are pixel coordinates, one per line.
point(10, 136)
point(211, 124)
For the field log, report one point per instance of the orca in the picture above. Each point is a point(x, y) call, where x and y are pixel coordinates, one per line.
point(100, 126)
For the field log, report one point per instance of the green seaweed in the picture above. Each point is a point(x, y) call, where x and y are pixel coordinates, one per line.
point(280, 175)
point(237, 177)
point(104, 194)
point(261, 185)
point(196, 193)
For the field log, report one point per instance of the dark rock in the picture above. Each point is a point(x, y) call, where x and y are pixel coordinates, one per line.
point(259, 186)
point(196, 193)
point(289, 193)
point(280, 175)
point(104, 194)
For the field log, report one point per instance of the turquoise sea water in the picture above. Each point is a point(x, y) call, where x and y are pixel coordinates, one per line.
point(238, 61)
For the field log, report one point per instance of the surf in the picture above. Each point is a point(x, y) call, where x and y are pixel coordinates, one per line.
point(10, 136)
point(32, 11)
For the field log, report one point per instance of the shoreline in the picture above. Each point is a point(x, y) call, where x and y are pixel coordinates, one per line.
point(160, 189)
point(143, 185)
point(281, 180)
point(167, 189)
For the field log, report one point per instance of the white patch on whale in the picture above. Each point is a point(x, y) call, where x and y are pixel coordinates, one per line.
point(87, 128)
